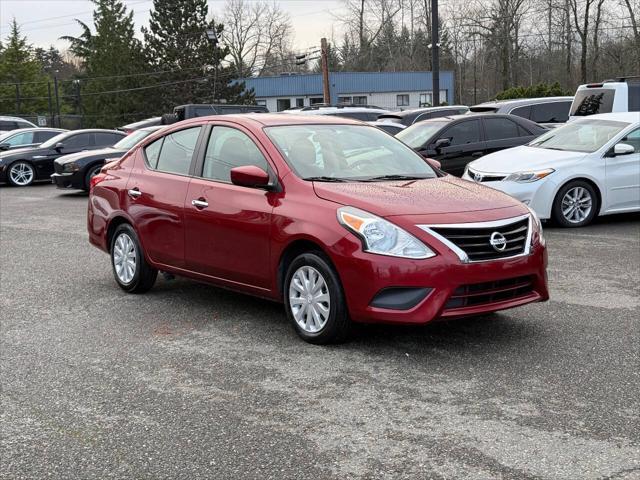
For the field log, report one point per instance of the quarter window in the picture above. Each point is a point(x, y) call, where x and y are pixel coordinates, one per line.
point(463, 133)
point(177, 150)
point(524, 112)
point(500, 128)
point(229, 148)
point(152, 152)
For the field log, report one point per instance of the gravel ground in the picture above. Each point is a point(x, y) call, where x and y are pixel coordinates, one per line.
point(190, 381)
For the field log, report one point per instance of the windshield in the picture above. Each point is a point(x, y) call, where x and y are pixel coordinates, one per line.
point(419, 133)
point(347, 152)
point(580, 136)
point(53, 140)
point(133, 138)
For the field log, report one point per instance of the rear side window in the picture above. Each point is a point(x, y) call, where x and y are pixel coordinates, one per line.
point(177, 151)
point(463, 133)
point(82, 140)
point(40, 137)
point(24, 125)
point(107, 139)
point(24, 138)
point(553, 112)
point(229, 148)
point(592, 100)
point(500, 128)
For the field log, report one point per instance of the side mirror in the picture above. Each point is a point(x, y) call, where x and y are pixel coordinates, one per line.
point(249, 176)
point(434, 163)
point(59, 146)
point(4, 146)
point(622, 149)
point(442, 142)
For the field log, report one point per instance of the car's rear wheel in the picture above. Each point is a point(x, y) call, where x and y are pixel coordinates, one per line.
point(575, 204)
point(21, 174)
point(92, 172)
point(130, 269)
point(314, 300)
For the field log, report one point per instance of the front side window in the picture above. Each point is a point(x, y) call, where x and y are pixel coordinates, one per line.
point(40, 137)
point(346, 152)
point(402, 100)
point(500, 128)
point(229, 148)
point(584, 135)
point(176, 151)
point(463, 133)
point(81, 140)
point(633, 139)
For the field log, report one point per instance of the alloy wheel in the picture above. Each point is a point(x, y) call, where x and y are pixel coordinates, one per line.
point(124, 258)
point(576, 205)
point(21, 174)
point(309, 299)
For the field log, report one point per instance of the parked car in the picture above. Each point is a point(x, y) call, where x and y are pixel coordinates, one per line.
point(24, 166)
point(303, 209)
point(392, 128)
point(547, 111)
point(75, 171)
point(13, 123)
point(618, 95)
point(588, 167)
point(185, 112)
point(147, 122)
point(457, 140)
point(409, 117)
point(27, 137)
point(366, 113)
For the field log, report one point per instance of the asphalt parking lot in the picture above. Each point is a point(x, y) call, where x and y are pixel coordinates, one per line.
point(190, 381)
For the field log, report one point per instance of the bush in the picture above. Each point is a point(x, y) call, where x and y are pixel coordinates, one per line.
point(534, 91)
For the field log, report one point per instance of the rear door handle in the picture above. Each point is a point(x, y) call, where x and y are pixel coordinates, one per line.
point(477, 154)
point(134, 192)
point(199, 203)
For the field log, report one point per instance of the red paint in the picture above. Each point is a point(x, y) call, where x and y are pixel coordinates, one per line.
point(239, 240)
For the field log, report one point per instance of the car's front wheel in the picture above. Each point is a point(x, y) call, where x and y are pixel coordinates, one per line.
point(314, 300)
point(130, 269)
point(92, 172)
point(21, 174)
point(575, 204)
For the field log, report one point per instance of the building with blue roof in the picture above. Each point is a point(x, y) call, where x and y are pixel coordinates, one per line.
point(389, 90)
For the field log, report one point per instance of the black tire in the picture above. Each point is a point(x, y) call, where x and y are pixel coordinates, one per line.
point(557, 210)
point(144, 276)
point(91, 172)
point(24, 166)
point(338, 324)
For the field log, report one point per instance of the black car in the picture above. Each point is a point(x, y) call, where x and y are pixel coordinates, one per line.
point(24, 166)
point(457, 140)
point(74, 171)
point(27, 137)
point(409, 117)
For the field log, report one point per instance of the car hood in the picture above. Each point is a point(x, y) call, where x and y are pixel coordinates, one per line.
point(105, 153)
point(523, 158)
point(415, 197)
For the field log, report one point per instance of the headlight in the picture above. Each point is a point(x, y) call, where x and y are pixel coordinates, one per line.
point(528, 177)
point(70, 167)
point(382, 237)
point(536, 235)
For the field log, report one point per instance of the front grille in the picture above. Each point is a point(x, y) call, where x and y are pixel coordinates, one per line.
point(480, 177)
point(476, 241)
point(490, 292)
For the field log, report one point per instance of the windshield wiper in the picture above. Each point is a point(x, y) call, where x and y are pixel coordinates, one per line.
point(394, 177)
point(325, 179)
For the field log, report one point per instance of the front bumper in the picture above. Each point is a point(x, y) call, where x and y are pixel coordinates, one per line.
point(66, 181)
point(365, 275)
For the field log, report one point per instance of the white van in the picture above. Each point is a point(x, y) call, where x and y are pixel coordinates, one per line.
point(611, 96)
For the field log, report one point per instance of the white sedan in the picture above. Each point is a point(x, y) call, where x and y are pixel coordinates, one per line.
point(585, 168)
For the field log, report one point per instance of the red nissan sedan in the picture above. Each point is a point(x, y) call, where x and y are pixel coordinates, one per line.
point(337, 219)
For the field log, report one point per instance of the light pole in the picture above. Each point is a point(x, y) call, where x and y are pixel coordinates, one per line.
point(213, 38)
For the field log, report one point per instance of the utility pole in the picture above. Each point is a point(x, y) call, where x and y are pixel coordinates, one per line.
point(435, 54)
point(55, 88)
point(50, 103)
point(324, 55)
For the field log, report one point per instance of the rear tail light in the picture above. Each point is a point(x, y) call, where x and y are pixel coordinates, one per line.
point(96, 179)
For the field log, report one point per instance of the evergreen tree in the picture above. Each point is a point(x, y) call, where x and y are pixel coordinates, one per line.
point(176, 41)
point(113, 59)
point(18, 65)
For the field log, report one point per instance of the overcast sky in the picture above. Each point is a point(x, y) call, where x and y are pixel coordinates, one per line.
point(44, 21)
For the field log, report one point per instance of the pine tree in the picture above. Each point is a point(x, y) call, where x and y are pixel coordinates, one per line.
point(176, 41)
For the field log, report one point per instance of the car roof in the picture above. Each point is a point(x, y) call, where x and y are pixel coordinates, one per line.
point(522, 101)
point(9, 117)
point(414, 111)
point(36, 129)
point(629, 117)
point(329, 110)
point(277, 119)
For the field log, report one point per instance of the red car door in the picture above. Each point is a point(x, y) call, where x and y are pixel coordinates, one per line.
point(156, 192)
point(227, 226)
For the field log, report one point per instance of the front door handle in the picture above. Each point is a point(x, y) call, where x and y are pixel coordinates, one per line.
point(199, 203)
point(477, 154)
point(134, 192)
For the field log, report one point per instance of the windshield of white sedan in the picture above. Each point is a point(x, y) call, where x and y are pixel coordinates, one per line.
point(580, 136)
point(347, 153)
